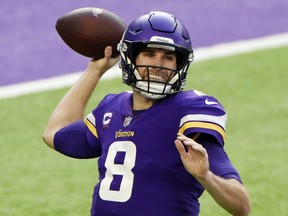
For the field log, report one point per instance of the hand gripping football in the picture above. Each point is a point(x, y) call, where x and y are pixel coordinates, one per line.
point(89, 30)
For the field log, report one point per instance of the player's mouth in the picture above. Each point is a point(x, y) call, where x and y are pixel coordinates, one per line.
point(156, 77)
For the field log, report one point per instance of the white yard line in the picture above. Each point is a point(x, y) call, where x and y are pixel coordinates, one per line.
point(201, 54)
point(239, 47)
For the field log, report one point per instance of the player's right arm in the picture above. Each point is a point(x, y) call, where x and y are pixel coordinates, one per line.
point(72, 106)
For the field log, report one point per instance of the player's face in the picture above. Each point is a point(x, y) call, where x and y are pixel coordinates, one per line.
point(158, 60)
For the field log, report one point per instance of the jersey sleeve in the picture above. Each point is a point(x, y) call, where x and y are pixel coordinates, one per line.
point(203, 114)
point(74, 140)
point(93, 118)
point(219, 161)
point(95, 121)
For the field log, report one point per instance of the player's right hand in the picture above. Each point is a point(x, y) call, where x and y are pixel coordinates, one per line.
point(100, 66)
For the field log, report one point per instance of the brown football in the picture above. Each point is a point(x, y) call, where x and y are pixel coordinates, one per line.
point(89, 30)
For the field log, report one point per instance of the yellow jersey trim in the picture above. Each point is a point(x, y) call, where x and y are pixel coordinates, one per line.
point(205, 125)
point(91, 127)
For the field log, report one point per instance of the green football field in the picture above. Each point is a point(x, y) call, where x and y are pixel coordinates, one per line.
point(37, 181)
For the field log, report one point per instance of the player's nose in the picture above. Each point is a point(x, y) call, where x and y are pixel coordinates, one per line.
point(158, 61)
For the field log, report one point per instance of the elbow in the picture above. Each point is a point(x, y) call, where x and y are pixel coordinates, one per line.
point(245, 210)
point(48, 138)
point(245, 207)
point(246, 204)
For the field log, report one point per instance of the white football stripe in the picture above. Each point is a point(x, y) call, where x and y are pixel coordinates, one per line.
point(219, 120)
point(239, 47)
point(91, 119)
point(52, 83)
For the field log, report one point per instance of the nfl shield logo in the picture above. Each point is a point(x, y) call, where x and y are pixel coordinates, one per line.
point(127, 121)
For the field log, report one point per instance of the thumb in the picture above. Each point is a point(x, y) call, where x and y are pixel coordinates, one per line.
point(108, 56)
point(107, 53)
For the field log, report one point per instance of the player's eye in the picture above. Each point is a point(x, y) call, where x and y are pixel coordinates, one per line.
point(170, 57)
point(149, 54)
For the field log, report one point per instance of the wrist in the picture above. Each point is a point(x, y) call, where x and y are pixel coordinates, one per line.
point(206, 179)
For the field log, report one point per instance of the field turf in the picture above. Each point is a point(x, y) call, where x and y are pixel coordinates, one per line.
point(37, 181)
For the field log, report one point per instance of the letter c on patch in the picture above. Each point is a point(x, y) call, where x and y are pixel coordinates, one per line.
point(106, 118)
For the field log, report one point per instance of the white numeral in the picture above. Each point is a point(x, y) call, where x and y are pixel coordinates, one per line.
point(125, 170)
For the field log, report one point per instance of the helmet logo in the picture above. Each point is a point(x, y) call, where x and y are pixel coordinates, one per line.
point(162, 39)
point(160, 44)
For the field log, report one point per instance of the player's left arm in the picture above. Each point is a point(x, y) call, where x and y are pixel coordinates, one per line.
point(229, 193)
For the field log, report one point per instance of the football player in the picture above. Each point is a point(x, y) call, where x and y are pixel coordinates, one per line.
point(158, 147)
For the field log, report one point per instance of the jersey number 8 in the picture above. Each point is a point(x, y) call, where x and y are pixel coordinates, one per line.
point(125, 170)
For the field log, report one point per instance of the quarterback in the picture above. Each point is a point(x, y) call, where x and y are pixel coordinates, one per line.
point(158, 147)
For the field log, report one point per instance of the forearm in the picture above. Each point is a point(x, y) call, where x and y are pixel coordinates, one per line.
point(230, 194)
point(72, 106)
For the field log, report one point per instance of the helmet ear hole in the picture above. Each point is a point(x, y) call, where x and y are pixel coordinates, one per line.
point(180, 61)
point(127, 75)
point(135, 52)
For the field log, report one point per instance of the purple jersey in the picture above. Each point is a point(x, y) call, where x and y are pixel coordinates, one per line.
point(140, 170)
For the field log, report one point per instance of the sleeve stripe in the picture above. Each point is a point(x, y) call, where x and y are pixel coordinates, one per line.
point(90, 117)
point(219, 120)
point(90, 123)
point(205, 125)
